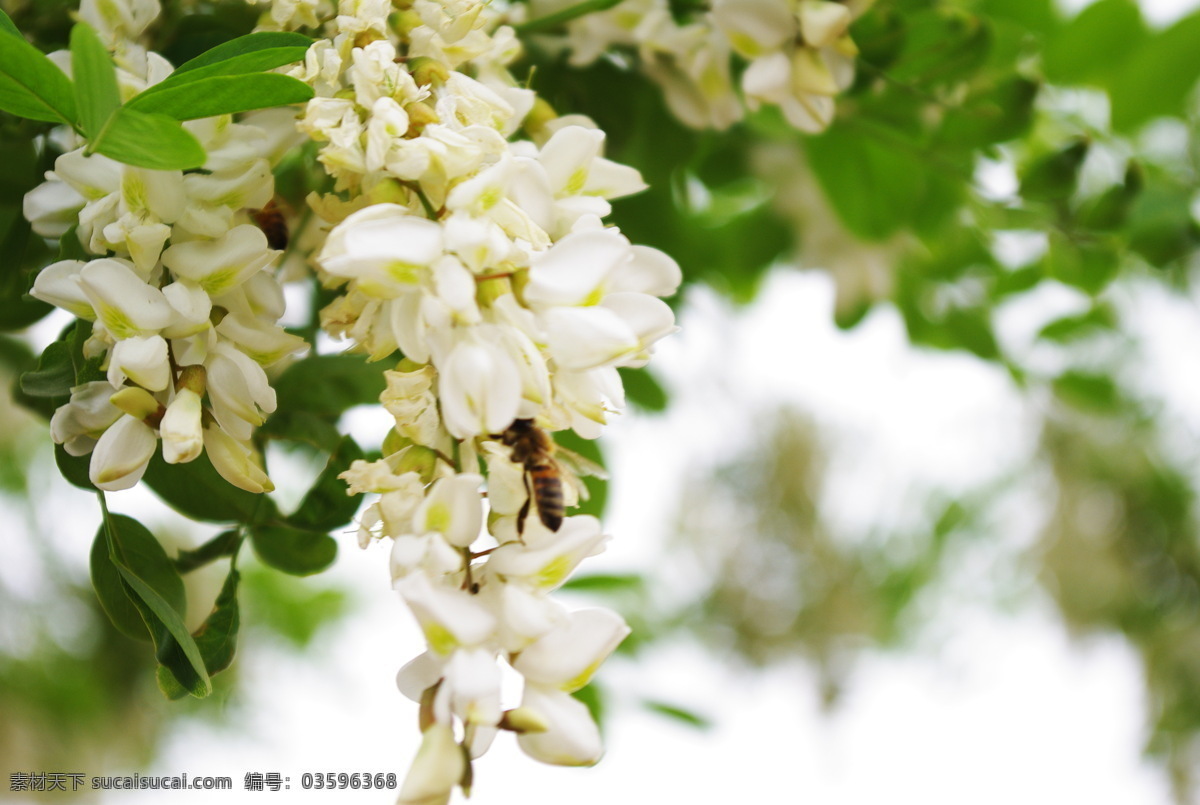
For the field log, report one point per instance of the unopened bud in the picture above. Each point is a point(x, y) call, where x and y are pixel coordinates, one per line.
point(427, 71)
point(137, 402)
point(541, 114)
point(489, 289)
point(389, 191)
point(420, 115)
point(365, 38)
point(523, 720)
point(404, 22)
point(393, 443)
point(414, 458)
point(193, 378)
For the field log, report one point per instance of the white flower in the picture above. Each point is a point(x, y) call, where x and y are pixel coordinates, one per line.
point(58, 284)
point(566, 657)
point(479, 388)
point(571, 737)
point(142, 359)
point(125, 304)
point(453, 509)
point(450, 618)
point(546, 565)
point(221, 265)
point(121, 454)
point(78, 424)
point(384, 248)
point(180, 429)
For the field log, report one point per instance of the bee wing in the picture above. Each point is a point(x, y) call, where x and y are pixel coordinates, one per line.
point(580, 465)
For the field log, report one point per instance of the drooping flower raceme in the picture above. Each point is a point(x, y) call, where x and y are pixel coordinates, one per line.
point(798, 53)
point(467, 235)
point(186, 302)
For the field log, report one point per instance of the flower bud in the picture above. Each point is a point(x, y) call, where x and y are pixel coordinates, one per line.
point(437, 768)
point(137, 402)
point(427, 71)
point(180, 429)
point(236, 462)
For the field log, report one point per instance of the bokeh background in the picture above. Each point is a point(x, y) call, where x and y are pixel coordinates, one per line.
point(906, 511)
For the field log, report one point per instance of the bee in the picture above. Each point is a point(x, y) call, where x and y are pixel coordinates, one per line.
point(534, 448)
point(272, 221)
point(549, 468)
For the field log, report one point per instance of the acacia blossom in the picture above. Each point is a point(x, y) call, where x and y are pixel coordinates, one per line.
point(185, 300)
point(467, 234)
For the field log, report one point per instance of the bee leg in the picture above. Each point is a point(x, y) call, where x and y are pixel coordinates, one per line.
point(524, 512)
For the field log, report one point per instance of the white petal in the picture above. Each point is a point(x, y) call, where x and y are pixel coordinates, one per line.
point(572, 739)
point(58, 284)
point(419, 674)
point(121, 454)
point(236, 461)
point(125, 304)
point(573, 271)
point(547, 567)
point(181, 431)
point(567, 657)
point(220, 265)
point(454, 509)
point(587, 337)
point(143, 360)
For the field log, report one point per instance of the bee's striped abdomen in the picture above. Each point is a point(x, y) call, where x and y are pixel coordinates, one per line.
point(547, 491)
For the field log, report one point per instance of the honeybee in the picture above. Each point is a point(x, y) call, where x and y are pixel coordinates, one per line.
point(272, 221)
point(544, 472)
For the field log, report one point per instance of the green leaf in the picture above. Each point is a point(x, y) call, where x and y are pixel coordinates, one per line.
point(148, 140)
point(1086, 263)
point(1156, 79)
point(1073, 328)
point(253, 62)
point(326, 505)
point(195, 490)
point(594, 697)
point(300, 553)
point(237, 49)
point(681, 714)
point(643, 390)
point(1088, 391)
point(8, 26)
point(32, 86)
point(303, 427)
point(96, 92)
point(1094, 44)
point(224, 544)
point(222, 95)
point(25, 252)
point(326, 385)
point(606, 583)
point(74, 468)
point(54, 375)
point(144, 556)
point(875, 188)
point(217, 637)
point(1052, 177)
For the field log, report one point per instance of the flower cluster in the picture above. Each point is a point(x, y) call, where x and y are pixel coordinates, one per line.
point(483, 260)
point(799, 54)
point(184, 305)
